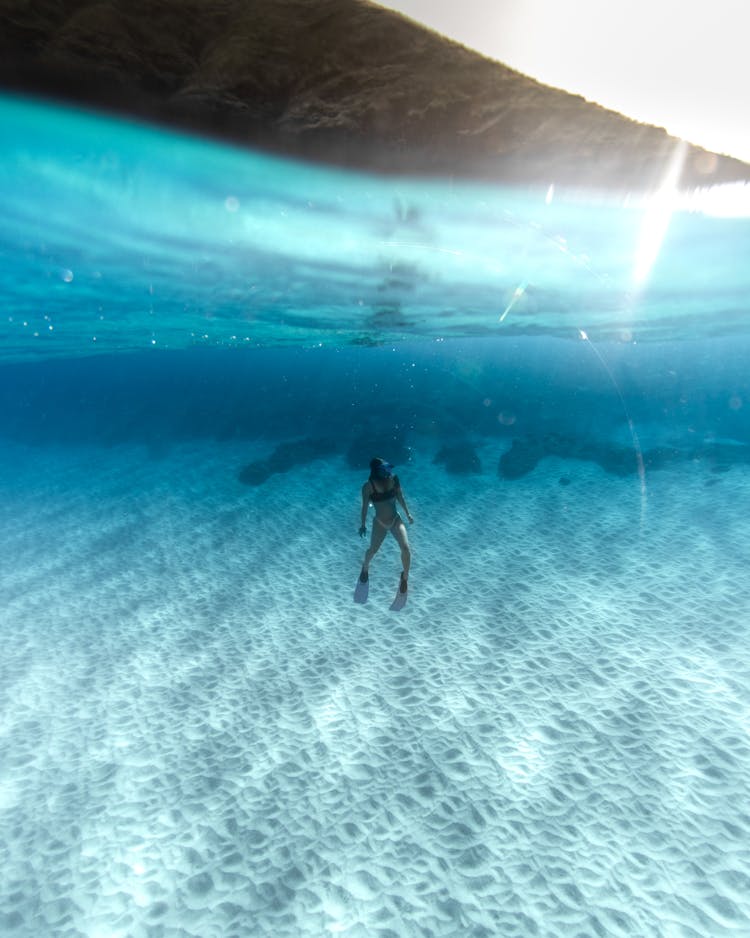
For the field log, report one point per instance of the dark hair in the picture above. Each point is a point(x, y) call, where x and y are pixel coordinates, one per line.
point(379, 468)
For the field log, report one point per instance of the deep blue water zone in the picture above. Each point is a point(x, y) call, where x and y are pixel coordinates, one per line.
point(685, 395)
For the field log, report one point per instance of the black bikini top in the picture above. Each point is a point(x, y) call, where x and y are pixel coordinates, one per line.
point(376, 496)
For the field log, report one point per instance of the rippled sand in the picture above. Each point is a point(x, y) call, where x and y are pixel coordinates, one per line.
point(202, 734)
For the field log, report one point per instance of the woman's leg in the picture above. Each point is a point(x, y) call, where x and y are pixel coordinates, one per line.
point(399, 532)
point(376, 539)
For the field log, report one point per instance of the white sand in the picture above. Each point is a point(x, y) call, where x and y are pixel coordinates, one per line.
point(201, 733)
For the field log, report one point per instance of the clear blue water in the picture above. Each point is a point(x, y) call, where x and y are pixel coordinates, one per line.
point(201, 732)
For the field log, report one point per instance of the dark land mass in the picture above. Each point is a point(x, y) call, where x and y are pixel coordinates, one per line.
point(341, 81)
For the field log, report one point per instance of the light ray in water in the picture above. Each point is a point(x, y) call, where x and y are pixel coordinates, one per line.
point(658, 216)
point(517, 294)
point(631, 426)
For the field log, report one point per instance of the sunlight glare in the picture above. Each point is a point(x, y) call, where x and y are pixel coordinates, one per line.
point(727, 201)
point(657, 218)
point(517, 294)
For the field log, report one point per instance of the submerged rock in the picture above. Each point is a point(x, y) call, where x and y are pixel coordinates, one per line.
point(285, 457)
point(459, 459)
point(255, 473)
point(525, 453)
point(520, 459)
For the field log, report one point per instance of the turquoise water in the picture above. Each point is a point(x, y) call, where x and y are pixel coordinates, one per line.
point(116, 237)
point(204, 729)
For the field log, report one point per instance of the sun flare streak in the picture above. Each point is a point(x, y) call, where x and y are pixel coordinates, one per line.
point(517, 294)
point(657, 218)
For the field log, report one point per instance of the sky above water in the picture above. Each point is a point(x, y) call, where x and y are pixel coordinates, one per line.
point(682, 67)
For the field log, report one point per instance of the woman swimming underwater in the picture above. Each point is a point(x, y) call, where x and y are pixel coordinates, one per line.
point(383, 490)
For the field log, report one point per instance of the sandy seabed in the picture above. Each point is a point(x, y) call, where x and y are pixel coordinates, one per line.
point(203, 735)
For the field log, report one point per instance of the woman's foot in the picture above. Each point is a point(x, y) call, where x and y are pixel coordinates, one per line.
point(403, 585)
point(364, 576)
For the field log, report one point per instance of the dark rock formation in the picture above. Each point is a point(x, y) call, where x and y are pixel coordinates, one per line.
point(525, 454)
point(285, 457)
point(459, 458)
point(340, 80)
point(521, 458)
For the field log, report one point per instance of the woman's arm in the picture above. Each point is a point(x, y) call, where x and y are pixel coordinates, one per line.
point(365, 506)
point(402, 502)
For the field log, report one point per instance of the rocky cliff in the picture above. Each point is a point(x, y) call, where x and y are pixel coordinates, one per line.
point(343, 81)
